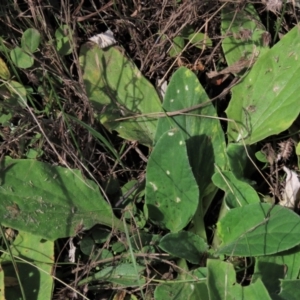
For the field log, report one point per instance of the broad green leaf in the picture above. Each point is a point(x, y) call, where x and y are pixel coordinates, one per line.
point(201, 130)
point(20, 58)
point(290, 290)
point(204, 137)
point(269, 269)
point(272, 268)
point(265, 102)
point(171, 190)
point(221, 283)
point(51, 202)
point(122, 274)
point(4, 72)
point(244, 33)
point(238, 193)
point(63, 35)
point(185, 245)
point(30, 40)
point(36, 283)
point(117, 89)
point(177, 46)
point(258, 229)
point(193, 289)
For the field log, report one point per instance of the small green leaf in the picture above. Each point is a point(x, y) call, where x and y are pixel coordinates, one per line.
point(87, 245)
point(21, 59)
point(186, 245)
point(200, 40)
point(238, 193)
point(63, 35)
point(239, 162)
point(171, 190)
point(244, 33)
point(258, 229)
point(18, 94)
point(32, 153)
point(30, 40)
point(261, 157)
point(177, 46)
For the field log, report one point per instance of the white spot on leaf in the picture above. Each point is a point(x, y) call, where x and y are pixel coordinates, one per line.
point(178, 91)
point(181, 143)
point(153, 186)
point(172, 100)
point(186, 88)
point(177, 200)
point(170, 133)
point(168, 172)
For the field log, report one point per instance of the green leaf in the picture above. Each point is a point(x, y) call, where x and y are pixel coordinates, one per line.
point(145, 242)
point(200, 40)
point(221, 283)
point(30, 40)
point(63, 35)
point(244, 33)
point(117, 89)
point(177, 46)
point(203, 134)
point(171, 190)
point(87, 245)
point(123, 274)
point(266, 101)
point(239, 162)
point(290, 289)
point(186, 245)
point(193, 289)
point(238, 193)
point(36, 283)
point(4, 72)
point(20, 58)
point(51, 202)
point(273, 268)
point(269, 269)
point(258, 229)
point(18, 94)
